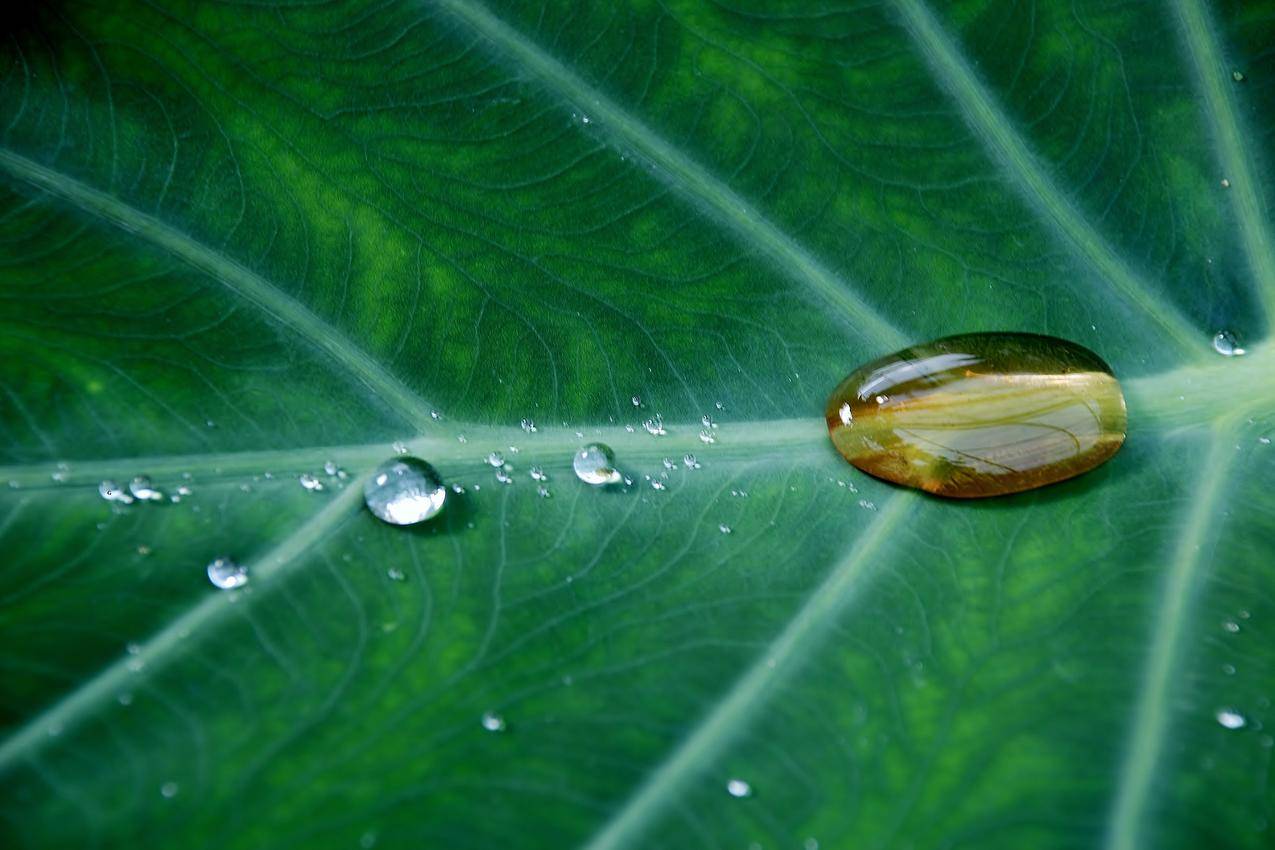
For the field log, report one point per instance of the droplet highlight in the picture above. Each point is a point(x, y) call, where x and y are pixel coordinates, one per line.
point(1227, 344)
point(595, 464)
point(404, 491)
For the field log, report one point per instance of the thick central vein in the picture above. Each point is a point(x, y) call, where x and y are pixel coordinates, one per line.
point(1151, 718)
point(1213, 82)
point(1011, 152)
point(298, 318)
point(684, 175)
point(758, 685)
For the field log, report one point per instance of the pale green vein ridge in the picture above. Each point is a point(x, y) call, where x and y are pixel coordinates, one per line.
point(743, 442)
point(682, 173)
point(994, 128)
point(297, 317)
point(166, 644)
point(751, 692)
point(1214, 83)
point(1151, 717)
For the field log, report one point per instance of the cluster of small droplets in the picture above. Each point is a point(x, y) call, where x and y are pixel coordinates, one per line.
point(655, 426)
point(706, 437)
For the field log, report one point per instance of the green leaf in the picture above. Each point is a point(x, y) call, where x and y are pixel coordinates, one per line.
point(241, 240)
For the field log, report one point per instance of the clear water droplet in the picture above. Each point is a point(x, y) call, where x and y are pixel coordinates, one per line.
point(1230, 718)
point(1226, 184)
point(707, 438)
point(724, 528)
point(493, 722)
point(330, 467)
point(669, 463)
point(719, 406)
point(226, 574)
point(367, 840)
point(538, 474)
point(637, 401)
point(309, 482)
point(528, 426)
point(125, 699)
point(395, 574)
point(496, 459)
point(1231, 626)
point(169, 790)
point(458, 489)
point(1238, 76)
point(689, 461)
point(503, 476)
point(112, 492)
point(739, 788)
point(543, 492)
point(1227, 344)
point(595, 464)
point(1265, 441)
point(707, 421)
point(867, 505)
point(141, 488)
point(404, 491)
point(399, 447)
point(435, 415)
point(655, 426)
point(657, 484)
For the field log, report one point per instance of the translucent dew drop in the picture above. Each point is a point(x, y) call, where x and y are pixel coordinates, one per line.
point(1238, 76)
point(504, 477)
point(309, 482)
point(1229, 718)
point(739, 788)
point(655, 426)
point(395, 574)
point(707, 437)
point(538, 474)
point(724, 528)
point(493, 722)
point(112, 492)
point(142, 489)
point(1227, 344)
point(226, 574)
point(169, 790)
point(595, 464)
point(496, 459)
point(528, 426)
point(404, 491)
point(689, 461)
point(329, 467)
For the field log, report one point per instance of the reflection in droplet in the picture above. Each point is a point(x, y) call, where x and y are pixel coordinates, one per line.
point(1230, 718)
point(538, 474)
point(595, 464)
point(739, 788)
point(404, 491)
point(655, 426)
point(1227, 344)
point(309, 482)
point(496, 459)
point(112, 492)
point(226, 574)
point(493, 722)
point(141, 488)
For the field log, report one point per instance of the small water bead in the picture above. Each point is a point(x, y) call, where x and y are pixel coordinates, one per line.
point(496, 459)
point(458, 489)
point(595, 464)
point(329, 467)
point(493, 722)
point(404, 491)
point(637, 401)
point(1226, 184)
point(142, 489)
point(395, 574)
point(1229, 718)
point(125, 699)
point(657, 484)
point(538, 474)
point(543, 492)
point(707, 421)
point(669, 463)
point(707, 437)
point(689, 461)
point(739, 788)
point(981, 414)
point(528, 426)
point(226, 574)
point(1238, 76)
point(399, 447)
point(503, 476)
point(655, 426)
point(724, 528)
point(169, 790)
point(309, 482)
point(112, 492)
point(1231, 626)
point(1227, 344)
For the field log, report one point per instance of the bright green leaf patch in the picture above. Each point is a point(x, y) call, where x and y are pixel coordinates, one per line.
point(240, 241)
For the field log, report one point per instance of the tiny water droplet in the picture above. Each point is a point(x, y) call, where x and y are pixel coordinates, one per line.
point(1265, 441)
point(1231, 626)
point(637, 401)
point(111, 492)
point(867, 505)
point(458, 489)
point(169, 790)
point(309, 482)
point(226, 574)
point(595, 464)
point(718, 405)
point(1230, 718)
point(395, 574)
point(329, 467)
point(1238, 76)
point(724, 528)
point(655, 426)
point(1226, 184)
point(707, 438)
point(689, 461)
point(141, 488)
point(657, 484)
point(399, 447)
point(528, 426)
point(810, 844)
point(504, 477)
point(435, 415)
point(367, 840)
point(404, 491)
point(543, 492)
point(669, 463)
point(493, 722)
point(1227, 344)
point(496, 459)
point(1228, 669)
point(125, 699)
point(739, 788)
point(538, 474)
point(460, 438)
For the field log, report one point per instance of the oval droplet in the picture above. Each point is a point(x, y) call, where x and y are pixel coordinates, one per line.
point(404, 491)
point(980, 414)
point(1227, 344)
point(226, 574)
point(595, 464)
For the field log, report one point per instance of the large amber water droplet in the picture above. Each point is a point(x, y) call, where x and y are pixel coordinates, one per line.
point(979, 414)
